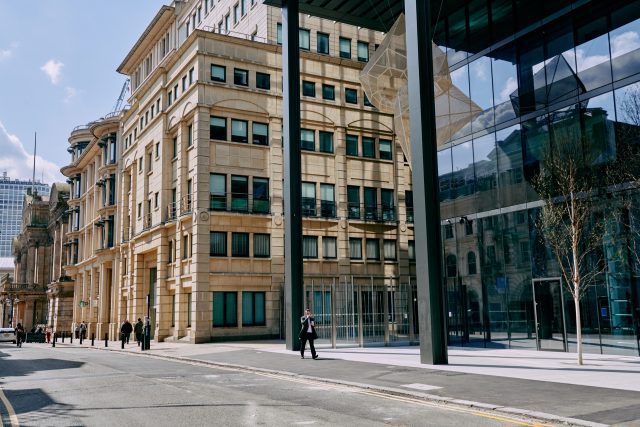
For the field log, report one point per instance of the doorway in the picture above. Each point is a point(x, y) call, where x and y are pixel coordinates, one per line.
point(548, 302)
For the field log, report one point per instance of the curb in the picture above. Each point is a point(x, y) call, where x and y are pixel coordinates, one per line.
point(441, 400)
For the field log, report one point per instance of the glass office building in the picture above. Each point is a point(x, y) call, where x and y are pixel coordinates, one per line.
point(12, 193)
point(530, 71)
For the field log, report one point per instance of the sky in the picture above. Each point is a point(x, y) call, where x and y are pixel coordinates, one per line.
point(58, 61)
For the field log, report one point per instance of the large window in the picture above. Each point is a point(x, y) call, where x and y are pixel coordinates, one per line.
point(328, 92)
point(308, 199)
point(371, 203)
point(261, 245)
point(390, 250)
point(355, 248)
point(368, 147)
point(307, 139)
point(218, 191)
point(345, 48)
point(385, 149)
point(471, 263)
point(352, 145)
point(239, 193)
point(309, 247)
point(260, 195)
point(305, 39)
point(218, 128)
point(263, 81)
point(323, 43)
point(326, 141)
point(388, 205)
point(308, 89)
point(239, 131)
point(225, 309)
point(327, 201)
point(350, 96)
point(218, 243)
point(240, 244)
point(260, 133)
point(363, 51)
point(253, 307)
point(373, 249)
point(353, 200)
point(240, 77)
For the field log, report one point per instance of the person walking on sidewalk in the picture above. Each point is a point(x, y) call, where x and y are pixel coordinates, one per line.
point(126, 330)
point(83, 330)
point(308, 333)
point(138, 330)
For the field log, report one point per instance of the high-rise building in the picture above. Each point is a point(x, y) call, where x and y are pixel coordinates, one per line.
point(12, 192)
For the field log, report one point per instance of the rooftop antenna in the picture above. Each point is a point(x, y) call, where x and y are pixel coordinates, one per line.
point(35, 147)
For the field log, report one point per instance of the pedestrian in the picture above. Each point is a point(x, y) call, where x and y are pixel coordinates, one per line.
point(138, 331)
point(83, 330)
point(126, 330)
point(20, 335)
point(77, 331)
point(308, 333)
point(48, 335)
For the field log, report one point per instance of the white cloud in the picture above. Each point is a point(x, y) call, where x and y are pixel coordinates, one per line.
point(70, 93)
point(625, 42)
point(5, 54)
point(18, 163)
point(53, 69)
point(509, 86)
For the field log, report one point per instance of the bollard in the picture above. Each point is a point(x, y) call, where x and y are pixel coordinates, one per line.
point(93, 337)
point(54, 340)
point(71, 338)
point(106, 340)
point(122, 341)
point(81, 338)
point(63, 337)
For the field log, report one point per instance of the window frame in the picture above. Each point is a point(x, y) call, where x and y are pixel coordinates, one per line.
point(240, 77)
point(224, 73)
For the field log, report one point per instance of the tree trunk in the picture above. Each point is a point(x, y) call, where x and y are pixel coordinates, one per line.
point(576, 302)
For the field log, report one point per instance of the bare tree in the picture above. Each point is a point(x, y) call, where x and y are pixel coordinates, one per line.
point(569, 188)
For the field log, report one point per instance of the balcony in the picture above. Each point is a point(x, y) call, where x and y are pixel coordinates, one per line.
point(179, 208)
point(410, 216)
point(126, 234)
point(314, 208)
point(146, 221)
point(375, 213)
point(240, 202)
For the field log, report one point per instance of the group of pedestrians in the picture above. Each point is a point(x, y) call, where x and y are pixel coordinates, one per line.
point(127, 328)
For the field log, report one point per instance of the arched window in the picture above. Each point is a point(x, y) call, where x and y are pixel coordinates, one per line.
point(471, 263)
point(451, 266)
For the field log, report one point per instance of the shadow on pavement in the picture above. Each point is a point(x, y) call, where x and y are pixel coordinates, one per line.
point(18, 367)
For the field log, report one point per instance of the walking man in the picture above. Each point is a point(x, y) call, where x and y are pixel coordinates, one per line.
point(308, 333)
point(126, 330)
point(138, 331)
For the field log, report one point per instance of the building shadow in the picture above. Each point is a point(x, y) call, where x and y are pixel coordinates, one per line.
point(12, 367)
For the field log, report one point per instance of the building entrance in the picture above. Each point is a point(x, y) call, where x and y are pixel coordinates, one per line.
point(548, 302)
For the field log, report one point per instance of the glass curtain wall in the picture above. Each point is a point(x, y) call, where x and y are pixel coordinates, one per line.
point(576, 75)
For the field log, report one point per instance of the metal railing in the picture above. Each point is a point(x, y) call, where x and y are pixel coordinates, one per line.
point(181, 207)
point(146, 221)
point(377, 213)
point(318, 208)
point(236, 34)
point(240, 202)
point(126, 234)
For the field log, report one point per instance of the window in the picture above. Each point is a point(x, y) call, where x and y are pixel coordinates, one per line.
point(155, 204)
point(260, 133)
point(353, 200)
point(329, 247)
point(236, 16)
point(322, 45)
point(139, 211)
point(468, 227)
point(279, 33)
point(174, 143)
point(327, 201)
point(239, 131)
point(260, 195)
point(452, 268)
point(304, 39)
point(157, 150)
point(263, 81)
point(189, 135)
point(191, 76)
point(225, 309)
point(218, 128)
point(408, 201)
point(373, 249)
point(352, 145)
point(140, 165)
point(308, 89)
point(350, 96)
point(189, 308)
point(307, 139)
point(366, 101)
point(355, 248)
point(240, 244)
point(388, 205)
point(308, 199)
point(370, 203)
point(185, 246)
point(448, 231)
point(328, 92)
point(218, 243)
point(253, 307)
point(217, 192)
point(412, 250)
point(239, 193)
point(218, 73)
point(170, 259)
point(309, 247)
point(175, 92)
point(385, 149)
point(390, 250)
point(471, 263)
point(368, 147)
point(524, 252)
point(240, 77)
point(345, 48)
point(170, 97)
point(326, 141)
point(261, 245)
point(243, 7)
point(363, 51)
point(184, 84)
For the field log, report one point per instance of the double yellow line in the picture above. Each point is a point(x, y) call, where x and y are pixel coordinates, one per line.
point(13, 418)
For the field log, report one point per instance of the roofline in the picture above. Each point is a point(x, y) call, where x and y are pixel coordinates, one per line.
point(163, 10)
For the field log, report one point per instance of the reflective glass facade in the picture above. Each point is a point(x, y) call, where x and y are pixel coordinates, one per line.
point(529, 71)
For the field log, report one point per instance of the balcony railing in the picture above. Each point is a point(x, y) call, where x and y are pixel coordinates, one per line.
point(410, 217)
point(146, 221)
point(181, 207)
point(377, 213)
point(126, 234)
point(240, 202)
point(318, 208)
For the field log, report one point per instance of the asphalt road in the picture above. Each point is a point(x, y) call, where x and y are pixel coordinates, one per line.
point(40, 385)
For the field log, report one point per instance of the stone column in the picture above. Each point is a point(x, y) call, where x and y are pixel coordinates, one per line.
point(162, 297)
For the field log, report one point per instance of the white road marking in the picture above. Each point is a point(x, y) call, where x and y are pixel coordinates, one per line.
point(419, 386)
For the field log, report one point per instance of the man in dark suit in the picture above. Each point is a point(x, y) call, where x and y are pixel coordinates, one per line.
point(307, 333)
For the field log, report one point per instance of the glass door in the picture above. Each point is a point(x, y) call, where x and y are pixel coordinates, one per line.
point(548, 304)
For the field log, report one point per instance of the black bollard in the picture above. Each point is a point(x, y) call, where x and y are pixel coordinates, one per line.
point(54, 340)
point(106, 340)
point(63, 333)
point(71, 338)
point(122, 341)
point(93, 337)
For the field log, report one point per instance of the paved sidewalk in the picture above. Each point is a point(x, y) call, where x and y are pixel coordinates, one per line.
point(605, 390)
